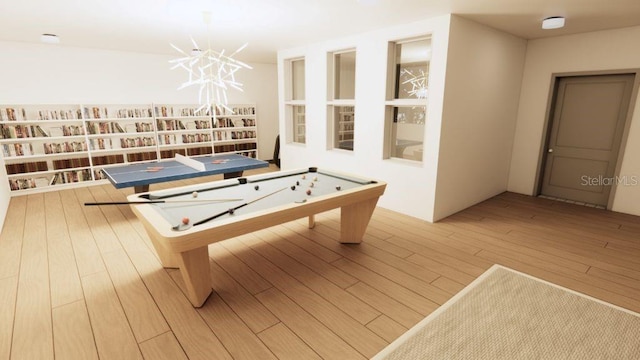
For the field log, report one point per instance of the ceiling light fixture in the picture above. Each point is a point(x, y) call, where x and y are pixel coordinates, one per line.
point(213, 71)
point(50, 39)
point(554, 22)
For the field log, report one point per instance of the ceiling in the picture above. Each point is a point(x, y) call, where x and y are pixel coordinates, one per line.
point(269, 25)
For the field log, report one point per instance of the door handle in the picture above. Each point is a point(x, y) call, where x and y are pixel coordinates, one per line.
point(550, 150)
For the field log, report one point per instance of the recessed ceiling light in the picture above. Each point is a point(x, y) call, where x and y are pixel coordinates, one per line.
point(50, 39)
point(554, 22)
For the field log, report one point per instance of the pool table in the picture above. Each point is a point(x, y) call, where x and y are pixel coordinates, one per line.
point(182, 221)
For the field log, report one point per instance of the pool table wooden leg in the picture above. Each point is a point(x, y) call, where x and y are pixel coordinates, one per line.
point(354, 220)
point(194, 267)
point(312, 221)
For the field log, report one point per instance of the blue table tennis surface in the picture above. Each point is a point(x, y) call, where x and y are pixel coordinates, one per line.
point(169, 170)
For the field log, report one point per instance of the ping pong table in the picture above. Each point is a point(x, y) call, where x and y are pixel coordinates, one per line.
point(141, 175)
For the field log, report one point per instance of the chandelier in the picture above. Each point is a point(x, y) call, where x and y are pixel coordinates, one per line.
point(212, 71)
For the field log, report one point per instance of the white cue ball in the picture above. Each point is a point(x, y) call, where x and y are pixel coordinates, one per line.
point(194, 194)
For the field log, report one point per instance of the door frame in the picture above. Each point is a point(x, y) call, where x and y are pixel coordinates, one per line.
point(549, 114)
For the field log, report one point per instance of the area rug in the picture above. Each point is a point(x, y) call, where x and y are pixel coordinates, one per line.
point(505, 314)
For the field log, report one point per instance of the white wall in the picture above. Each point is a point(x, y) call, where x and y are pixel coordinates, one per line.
point(603, 50)
point(411, 185)
point(45, 74)
point(474, 81)
point(484, 74)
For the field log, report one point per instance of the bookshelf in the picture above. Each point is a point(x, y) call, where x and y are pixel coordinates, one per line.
point(66, 145)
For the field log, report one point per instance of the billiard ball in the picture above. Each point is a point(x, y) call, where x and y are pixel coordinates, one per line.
point(311, 185)
point(194, 194)
point(257, 187)
point(297, 182)
point(185, 220)
point(338, 188)
point(293, 187)
point(308, 191)
point(315, 178)
point(231, 211)
point(304, 177)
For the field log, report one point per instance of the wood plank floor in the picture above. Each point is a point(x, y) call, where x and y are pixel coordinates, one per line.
point(84, 282)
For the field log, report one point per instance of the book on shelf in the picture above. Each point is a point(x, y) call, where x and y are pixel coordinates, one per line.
point(21, 168)
point(99, 174)
point(70, 163)
point(17, 149)
point(22, 184)
point(59, 114)
point(144, 127)
point(247, 110)
point(96, 112)
point(101, 144)
point(195, 138)
point(13, 114)
point(103, 127)
point(134, 113)
point(223, 122)
point(137, 142)
point(202, 124)
point(144, 156)
point(107, 159)
point(72, 176)
point(54, 179)
point(170, 154)
point(40, 132)
point(224, 148)
point(168, 139)
point(72, 130)
point(199, 151)
point(65, 147)
point(170, 125)
point(246, 134)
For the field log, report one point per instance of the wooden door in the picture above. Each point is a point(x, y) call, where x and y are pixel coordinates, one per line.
point(585, 134)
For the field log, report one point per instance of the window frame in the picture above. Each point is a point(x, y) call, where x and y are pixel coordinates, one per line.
point(394, 103)
point(293, 124)
point(334, 104)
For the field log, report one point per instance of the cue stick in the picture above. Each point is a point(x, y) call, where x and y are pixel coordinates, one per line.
point(237, 207)
point(158, 202)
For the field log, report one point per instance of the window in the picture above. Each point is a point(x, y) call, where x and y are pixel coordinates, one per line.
point(407, 92)
point(295, 100)
point(341, 99)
